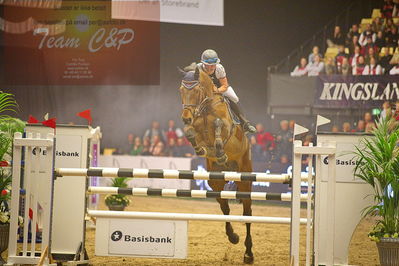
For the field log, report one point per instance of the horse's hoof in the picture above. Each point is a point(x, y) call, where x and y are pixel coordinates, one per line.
point(234, 238)
point(222, 160)
point(248, 259)
point(200, 152)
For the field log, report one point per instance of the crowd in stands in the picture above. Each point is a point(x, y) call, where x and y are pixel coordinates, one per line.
point(268, 147)
point(365, 49)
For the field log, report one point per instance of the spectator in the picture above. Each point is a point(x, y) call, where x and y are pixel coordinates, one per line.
point(315, 68)
point(361, 125)
point(359, 67)
point(264, 139)
point(346, 127)
point(396, 112)
point(370, 127)
point(368, 118)
point(146, 147)
point(315, 52)
point(292, 125)
point(158, 149)
point(354, 60)
point(370, 45)
point(385, 60)
point(392, 37)
point(300, 70)
point(284, 138)
point(380, 40)
point(377, 24)
point(345, 69)
point(386, 110)
point(284, 163)
point(155, 140)
point(372, 68)
point(170, 150)
point(394, 70)
point(129, 145)
point(337, 38)
point(367, 33)
point(340, 56)
point(353, 31)
point(335, 129)
point(137, 147)
point(172, 132)
point(330, 66)
point(153, 131)
point(353, 44)
point(183, 150)
point(256, 150)
point(387, 9)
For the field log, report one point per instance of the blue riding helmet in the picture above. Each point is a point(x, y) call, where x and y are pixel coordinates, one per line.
point(210, 57)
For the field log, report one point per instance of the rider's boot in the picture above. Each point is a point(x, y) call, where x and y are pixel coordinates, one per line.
point(244, 122)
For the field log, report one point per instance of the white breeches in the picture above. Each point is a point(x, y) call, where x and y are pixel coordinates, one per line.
point(231, 94)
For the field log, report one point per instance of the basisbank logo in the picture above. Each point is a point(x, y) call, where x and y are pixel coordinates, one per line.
point(67, 154)
point(119, 236)
point(342, 162)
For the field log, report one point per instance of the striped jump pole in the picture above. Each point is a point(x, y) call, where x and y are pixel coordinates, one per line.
point(193, 193)
point(176, 174)
point(190, 217)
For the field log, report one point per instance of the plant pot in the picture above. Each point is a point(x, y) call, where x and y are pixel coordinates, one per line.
point(388, 249)
point(116, 207)
point(4, 234)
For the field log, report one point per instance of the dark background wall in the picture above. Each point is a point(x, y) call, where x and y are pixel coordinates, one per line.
point(256, 34)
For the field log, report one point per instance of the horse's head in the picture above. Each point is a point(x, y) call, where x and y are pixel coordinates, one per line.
point(195, 87)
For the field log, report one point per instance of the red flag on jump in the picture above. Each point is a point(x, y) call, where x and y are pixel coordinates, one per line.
point(32, 120)
point(86, 115)
point(50, 122)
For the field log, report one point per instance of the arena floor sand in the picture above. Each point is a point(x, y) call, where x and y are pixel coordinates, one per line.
point(208, 244)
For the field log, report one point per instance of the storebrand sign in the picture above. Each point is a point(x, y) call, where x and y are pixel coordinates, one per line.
point(368, 91)
point(138, 237)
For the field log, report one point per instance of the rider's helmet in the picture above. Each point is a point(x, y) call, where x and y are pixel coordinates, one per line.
point(210, 57)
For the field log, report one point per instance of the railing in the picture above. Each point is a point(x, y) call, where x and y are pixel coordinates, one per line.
point(353, 13)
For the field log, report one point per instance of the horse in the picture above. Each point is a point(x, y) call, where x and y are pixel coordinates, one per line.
point(210, 129)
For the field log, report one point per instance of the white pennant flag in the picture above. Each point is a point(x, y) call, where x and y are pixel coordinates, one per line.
point(298, 129)
point(321, 120)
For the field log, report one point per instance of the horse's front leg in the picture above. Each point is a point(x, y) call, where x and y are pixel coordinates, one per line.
point(190, 134)
point(220, 154)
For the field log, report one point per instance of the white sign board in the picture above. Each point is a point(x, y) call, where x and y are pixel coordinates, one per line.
point(201, 12)
point(141, 238)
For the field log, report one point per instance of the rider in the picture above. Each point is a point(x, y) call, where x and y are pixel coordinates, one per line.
point(210, 64)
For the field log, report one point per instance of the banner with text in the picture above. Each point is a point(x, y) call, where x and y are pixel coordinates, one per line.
point(79, 44)
point(355, 91)
point(201, 12)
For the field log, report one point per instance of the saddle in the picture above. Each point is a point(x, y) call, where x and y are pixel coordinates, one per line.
point(233, 116)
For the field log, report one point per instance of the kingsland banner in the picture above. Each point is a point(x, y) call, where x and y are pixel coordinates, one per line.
point(201, 12)
point(354, 91)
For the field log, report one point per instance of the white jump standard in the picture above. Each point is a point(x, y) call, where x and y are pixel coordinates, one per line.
point(203, 194)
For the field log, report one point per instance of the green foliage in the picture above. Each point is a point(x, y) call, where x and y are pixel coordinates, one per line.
point(118, 199)
point(378, 165)
point(7, 104)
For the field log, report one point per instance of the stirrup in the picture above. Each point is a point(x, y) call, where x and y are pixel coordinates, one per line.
point(249, 128)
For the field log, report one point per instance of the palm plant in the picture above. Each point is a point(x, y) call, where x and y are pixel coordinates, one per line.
point(7, 104)
point(378, 165)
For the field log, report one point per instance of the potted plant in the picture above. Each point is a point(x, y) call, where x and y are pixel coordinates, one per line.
point(378, 165)
point(118, 202)
point(8, 126)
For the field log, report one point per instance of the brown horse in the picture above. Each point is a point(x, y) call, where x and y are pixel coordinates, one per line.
point(212, 133)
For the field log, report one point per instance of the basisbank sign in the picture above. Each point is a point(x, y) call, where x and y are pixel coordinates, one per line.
point(337, 91)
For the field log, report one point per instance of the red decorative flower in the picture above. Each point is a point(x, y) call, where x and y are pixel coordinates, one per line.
point(4, 192)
